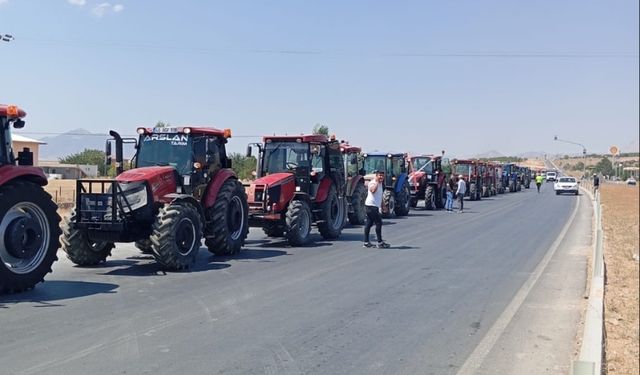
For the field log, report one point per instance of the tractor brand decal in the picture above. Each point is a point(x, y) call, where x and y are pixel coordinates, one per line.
point(175, 139)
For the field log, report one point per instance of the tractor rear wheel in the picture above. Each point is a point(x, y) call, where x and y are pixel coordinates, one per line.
point(359, 213)
point(228, 220)
point(430, 198)
point(473, 191)
point(402, 201)
point(30, 231)
point(79, 248)
point(332, 217)
point(298, 219)
point(388, 204)
point(176, 235)
point(441, 197)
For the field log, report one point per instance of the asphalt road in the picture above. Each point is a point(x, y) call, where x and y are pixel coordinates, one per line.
point(451, 295)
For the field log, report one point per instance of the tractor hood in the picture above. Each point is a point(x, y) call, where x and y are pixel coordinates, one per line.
point(274, 179)
point(415, 177)
point(146, 174)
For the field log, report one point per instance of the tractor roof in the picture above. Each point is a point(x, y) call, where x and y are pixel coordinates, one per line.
point(306, 138)
point(348, 149)
point(430, 156)
point(11, 111)
point(465, 161)
point(197, 130)
point(380, 153)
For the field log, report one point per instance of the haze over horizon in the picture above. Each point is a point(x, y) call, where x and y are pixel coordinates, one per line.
point(463, 76)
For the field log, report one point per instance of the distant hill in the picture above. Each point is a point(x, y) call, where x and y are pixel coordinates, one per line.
point(71, 142)
point(532, 155)
point(489, 155)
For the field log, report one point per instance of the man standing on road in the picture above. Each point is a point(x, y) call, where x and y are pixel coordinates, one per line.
point(372, 206)
point(539, 180)
point(462, 189)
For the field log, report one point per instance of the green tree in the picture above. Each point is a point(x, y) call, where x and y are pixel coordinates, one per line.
point(578, 166)
point(89, 157)
point(162, 124)
point(243, 165)
point(604, 167)
point(321, 129)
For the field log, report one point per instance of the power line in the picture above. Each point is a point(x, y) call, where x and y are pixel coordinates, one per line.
point(107, 135)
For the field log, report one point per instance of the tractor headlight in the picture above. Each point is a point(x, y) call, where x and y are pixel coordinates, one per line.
point(133, 198)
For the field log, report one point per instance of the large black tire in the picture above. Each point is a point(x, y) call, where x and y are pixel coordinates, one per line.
point(298, 221)
point(332, 217)
point(441, 198)
point(30, 231)
point(430, 198)
point(228, 220)
point(359, 213)
point(388, 204)
point(273, 229)
point(144, 246)
point(403, 201)
point(79, 248)
point(473, 191)
point(413, 202)
point(176, 235)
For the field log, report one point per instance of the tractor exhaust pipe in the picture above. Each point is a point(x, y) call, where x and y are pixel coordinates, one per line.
point(119, 157)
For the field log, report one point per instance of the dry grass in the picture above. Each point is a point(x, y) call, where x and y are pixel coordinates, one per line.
point(621, 243)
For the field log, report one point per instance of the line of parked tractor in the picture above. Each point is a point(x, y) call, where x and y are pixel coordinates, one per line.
point(180, 188)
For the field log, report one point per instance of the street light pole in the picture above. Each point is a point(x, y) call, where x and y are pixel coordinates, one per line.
point(584, 152)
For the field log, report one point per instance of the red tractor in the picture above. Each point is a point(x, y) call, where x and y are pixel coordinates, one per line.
point(356, 191)
point(428, 176)
point(300, 181)
point(471, 172)
point(180, 188)
point(489, 180)
point(29, 222)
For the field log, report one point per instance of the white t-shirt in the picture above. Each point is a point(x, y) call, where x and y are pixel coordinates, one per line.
point(374, 199)
point(462, 187)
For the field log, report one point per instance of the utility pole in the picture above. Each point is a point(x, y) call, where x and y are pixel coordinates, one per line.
point(584, 153)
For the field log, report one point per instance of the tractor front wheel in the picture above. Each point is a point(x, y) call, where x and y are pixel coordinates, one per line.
point(228, 220)
point(30, 231)
point(357, 204)
point(298, 220)
point(388, 204)
point(403, 201)
point(176, 235)
point(332, 217)
point(430, 198)
point(473, 191)
point(79, 248)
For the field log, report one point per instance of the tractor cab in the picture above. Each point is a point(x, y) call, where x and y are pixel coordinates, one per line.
point(471, 170)
point(396, 199)
point(303, 174)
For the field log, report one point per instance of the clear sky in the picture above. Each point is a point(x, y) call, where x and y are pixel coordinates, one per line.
point(466, 76)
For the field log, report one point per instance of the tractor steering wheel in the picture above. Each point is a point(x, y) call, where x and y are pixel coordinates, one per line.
point(291, 165)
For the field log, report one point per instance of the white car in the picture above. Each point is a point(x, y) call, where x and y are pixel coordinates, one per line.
point(552, 176)
point(631, 181)
point(566, 185)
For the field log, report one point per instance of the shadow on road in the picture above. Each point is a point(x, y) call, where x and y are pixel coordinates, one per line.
point(250, 254)
point(56, 290)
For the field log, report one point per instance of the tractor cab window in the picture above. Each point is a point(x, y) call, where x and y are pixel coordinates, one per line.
point(446, 165)
point(317, 158)
point(374, 163)
point(423, 164)
point(285, 157)
point(462, 169)
point(166, 149)
point(352, 164)
point(335, 158)
point(397, 166)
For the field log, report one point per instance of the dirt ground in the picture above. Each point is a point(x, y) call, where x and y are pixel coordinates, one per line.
point(621, 244)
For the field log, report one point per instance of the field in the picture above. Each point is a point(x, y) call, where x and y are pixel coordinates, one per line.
point(620, 221)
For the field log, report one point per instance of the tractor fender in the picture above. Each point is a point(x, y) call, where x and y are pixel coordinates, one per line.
point(13, 172)
point(216, 183)
point(177, 198)
point(323, 189)
point(400, 182)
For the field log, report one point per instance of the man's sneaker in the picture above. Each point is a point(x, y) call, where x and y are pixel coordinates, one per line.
point(367, 244)
point(383, 245)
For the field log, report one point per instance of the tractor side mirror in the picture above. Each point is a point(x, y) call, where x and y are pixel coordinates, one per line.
point(249, 151)
point(18, 124)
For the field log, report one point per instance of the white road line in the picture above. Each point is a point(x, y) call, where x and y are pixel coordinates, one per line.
point(477, 357)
